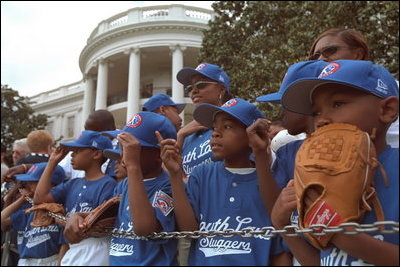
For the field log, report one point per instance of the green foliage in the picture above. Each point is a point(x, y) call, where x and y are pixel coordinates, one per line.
point(255, 42)
point(17, 118)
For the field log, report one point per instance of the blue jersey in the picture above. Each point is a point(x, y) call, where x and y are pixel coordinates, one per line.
point(223, 200)
point(283, 167)
point(389, 198)
point(135, 252)
point(196, 150)
point(35, 242)
point(82, 195)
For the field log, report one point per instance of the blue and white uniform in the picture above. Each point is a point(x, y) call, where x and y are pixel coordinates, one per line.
point(135, 252)
point(283, 166)
point(196, 150)
point(36, 242)
point(82, 195)
point(222, 200)
point(389, 198)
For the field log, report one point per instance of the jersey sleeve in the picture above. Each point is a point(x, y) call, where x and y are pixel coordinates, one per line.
point(19, 219)
point(60, 191)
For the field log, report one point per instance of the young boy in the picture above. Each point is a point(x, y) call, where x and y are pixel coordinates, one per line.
point(224, 195)
point(163, 104)
point(365, 95)
point(144, 193)
point(81, 195)
point(36, 245)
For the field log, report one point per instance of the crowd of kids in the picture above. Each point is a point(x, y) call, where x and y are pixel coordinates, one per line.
point(216, 173)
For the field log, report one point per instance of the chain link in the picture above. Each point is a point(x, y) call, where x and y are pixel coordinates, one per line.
point(349, 228)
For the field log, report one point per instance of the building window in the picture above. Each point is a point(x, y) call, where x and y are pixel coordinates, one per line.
point(147, 91)
point(70, 126)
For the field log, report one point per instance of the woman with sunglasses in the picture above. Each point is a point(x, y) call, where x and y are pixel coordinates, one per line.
point(335, 44)
point(207, 83)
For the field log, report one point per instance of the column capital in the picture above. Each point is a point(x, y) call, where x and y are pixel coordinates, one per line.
point(130, 50)
point(100, 60)
point(88, 76)
point(174, 47)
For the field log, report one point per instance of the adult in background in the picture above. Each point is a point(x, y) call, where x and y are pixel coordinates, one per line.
point(40, 144)
point(20, 150)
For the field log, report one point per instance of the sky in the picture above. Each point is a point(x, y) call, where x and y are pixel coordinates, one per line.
point(41, 41)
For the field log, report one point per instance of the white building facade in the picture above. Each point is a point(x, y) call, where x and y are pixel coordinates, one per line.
point(127, 59)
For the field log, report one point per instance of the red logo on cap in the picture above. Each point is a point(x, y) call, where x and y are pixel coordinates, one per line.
point(32, 169)
point(135, 121)
point(328, 70)
point(230, 103)
point(201, 66)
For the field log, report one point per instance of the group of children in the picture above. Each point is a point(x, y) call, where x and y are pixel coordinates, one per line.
point(237, 190)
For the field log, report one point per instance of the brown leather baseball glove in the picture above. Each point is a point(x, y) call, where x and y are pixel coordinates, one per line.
point(102, 218)
point(42, 217)
point(338, 161)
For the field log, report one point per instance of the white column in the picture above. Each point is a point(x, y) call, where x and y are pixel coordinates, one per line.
point(177, 65)
point(87, 98)
point(133, 82)
point(102, 81)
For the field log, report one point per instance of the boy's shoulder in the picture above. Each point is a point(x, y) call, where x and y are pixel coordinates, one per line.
point(208, 167)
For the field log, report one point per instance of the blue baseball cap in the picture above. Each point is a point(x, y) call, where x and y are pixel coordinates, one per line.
point(36, 171)
point(143, 126)
point(159, 100)
point(295, 72)
point(358, 74)
point(240, 109)
point(90, 139)
point(211, 71)
point(114, 154)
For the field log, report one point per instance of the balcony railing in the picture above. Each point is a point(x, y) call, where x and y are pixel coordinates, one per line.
point(146, 14)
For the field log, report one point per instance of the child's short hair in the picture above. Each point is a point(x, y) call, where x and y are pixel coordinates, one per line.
point(39, 140)
point(240, 109)
point(358, 74)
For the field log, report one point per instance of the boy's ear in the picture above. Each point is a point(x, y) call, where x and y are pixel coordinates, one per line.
point(389, 110)
point(98, 154)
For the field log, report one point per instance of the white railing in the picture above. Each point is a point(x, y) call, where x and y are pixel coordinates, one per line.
point(174, 12)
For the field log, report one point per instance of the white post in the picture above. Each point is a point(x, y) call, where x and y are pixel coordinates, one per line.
point(87, 98)
point(102, 80)
point(177, 65)
point(133, 83)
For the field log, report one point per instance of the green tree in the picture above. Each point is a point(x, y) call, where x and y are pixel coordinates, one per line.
point(255, 42)
point(17, 118)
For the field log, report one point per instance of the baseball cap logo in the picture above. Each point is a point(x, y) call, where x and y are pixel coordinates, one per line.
point(32, 169)
point(230, 103)
point(382, 87)
point(135, 121)
point(328, 70)
point(201, 66)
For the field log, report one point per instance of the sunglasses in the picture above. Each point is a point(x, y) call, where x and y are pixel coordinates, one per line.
point(198, 85)
point(326, 52)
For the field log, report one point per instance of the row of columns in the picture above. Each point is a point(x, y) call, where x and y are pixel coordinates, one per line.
point(133, 94)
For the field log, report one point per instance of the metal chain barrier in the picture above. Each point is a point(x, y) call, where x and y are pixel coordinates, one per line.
point(350, 228)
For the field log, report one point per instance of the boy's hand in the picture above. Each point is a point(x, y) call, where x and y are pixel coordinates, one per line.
point(58, 154)
point(131, 148)
point(191, 127)
point(170, 154)
point(74, 228)
point(258, 135)
point(284, 206)
point(19, 169)
point(25, 192)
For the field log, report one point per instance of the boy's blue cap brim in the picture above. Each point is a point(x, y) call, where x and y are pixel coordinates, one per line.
point(208, 113)
point(26, 178)
point(273, 98)
point(180, 107)
point(117, 132)
point(114, 154)
point(71, 145)
point(298, 97)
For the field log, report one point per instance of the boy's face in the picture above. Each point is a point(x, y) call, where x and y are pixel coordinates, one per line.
point(338, 103)
point(229, 138)
point(150, 160)
point(120, 170)
point(82, 158)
